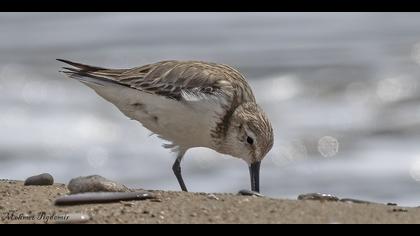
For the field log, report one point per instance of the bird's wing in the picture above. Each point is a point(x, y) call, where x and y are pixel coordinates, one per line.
point(189, 80)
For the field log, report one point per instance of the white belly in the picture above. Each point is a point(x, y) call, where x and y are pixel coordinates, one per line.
point(185, 124)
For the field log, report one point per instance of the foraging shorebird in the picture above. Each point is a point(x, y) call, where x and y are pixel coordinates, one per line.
point(190, 104)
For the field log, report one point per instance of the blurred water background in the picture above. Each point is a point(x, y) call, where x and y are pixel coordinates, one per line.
point(342, 91)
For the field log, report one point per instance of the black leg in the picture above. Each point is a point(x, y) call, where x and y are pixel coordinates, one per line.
point(177, 171)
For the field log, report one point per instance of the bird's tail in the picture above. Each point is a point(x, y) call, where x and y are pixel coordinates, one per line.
point(91, 74)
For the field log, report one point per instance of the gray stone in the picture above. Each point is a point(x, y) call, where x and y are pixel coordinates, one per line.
point(40, 180)
point(399, 210)
point(94, 183)
point(246, 192)
point(318, 197)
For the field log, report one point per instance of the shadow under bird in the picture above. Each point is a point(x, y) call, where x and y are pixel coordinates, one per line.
point(189, 104)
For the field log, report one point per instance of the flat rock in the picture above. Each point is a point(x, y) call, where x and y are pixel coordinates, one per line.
point(246, 192)
point(40, 180)
point(103, 197)
point(94, 183)
point(318, 197)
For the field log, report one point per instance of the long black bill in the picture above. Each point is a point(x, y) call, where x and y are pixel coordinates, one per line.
point(254, 172)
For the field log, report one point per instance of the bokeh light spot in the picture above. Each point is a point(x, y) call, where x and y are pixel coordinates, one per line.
point(395, 88)
point(278, 88)
point(97, 157)
point(91, 128)
point(416, 53)
point(415, 170)
point(328, 146)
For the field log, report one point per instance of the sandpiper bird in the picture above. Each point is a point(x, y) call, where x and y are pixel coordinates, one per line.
point(190, 104)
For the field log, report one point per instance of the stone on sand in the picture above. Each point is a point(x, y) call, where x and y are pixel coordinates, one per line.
point(94, 183)
point(40, 180)
point(318, 197)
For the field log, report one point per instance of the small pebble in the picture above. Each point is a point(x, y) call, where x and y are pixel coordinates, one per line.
point(127, 204)
point(244, 200)
point(245, 192)
point(74, 218)
point(399, 210)
point(318, 197)
point(213, 197)
point(351, 200)
point(40, 180)
point(156, 200)
point(94, 183)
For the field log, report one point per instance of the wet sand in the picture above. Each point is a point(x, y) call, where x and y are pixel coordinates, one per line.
point(179, 207)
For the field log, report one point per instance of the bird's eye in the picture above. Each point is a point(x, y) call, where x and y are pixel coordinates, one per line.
point(250, 140)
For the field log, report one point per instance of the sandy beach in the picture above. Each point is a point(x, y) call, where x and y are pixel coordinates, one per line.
point(35, 204)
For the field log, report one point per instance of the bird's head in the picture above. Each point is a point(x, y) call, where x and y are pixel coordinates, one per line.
point(249, 137)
